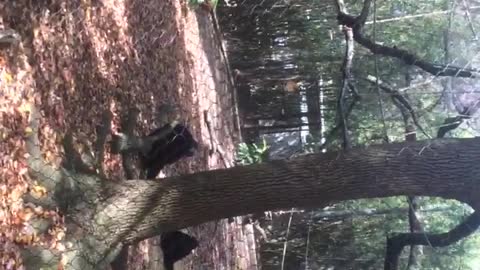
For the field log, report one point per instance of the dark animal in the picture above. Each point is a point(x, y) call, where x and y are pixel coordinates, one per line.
point(176, 246)
point(170, 145)
point(163, 146)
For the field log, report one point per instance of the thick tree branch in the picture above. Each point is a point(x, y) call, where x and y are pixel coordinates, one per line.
point(128, 123)
point(426, 168)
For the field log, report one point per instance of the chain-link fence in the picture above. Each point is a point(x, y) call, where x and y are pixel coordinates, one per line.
point(77, 71)
point(85, 67)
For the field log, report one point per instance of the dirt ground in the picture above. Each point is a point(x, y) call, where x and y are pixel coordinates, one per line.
point(78, 58)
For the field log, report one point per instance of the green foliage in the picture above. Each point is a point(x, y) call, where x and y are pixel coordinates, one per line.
point(251, 153)
point(304, 39)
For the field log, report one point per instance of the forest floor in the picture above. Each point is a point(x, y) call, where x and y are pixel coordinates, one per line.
point(78, 58)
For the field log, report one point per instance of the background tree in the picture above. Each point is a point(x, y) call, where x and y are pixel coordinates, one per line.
point(422, 97)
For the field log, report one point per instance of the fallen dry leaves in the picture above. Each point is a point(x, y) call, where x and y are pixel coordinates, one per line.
point(77, 58)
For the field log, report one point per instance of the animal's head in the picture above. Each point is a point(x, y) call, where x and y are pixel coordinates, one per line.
point(185, 139)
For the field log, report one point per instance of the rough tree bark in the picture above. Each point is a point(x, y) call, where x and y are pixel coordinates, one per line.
point(444, 168)
point(102, 215)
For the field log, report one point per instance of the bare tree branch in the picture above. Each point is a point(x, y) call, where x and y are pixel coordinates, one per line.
point(395, 95)
point(357, 24)
point(346, 82)
point(451, 123)
point(333, 132)
point(469, 18)
point(396, 243)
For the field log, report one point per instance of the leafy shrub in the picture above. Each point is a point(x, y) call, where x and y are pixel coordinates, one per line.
point(252, 153)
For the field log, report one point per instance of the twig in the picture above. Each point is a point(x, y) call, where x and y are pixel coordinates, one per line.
point(214, 146)
point(469, 18)
point(401, 100)
point(379, 95)
point(286, 239)
point(229, 73)
point(408, 17)
point(210, 132)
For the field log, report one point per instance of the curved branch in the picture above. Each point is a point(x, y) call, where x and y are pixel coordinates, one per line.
point(346, 81)
point(411, 59)
point(399, 100)
point(449, 124)
point(357, 24)
point(362, 18)
point(396, 243)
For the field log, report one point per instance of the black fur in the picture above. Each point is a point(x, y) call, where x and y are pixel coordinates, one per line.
point(176, 246)
point(163, 146)
point(177, 143)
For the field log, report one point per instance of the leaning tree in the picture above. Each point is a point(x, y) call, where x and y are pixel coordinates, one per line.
point(102, 216)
